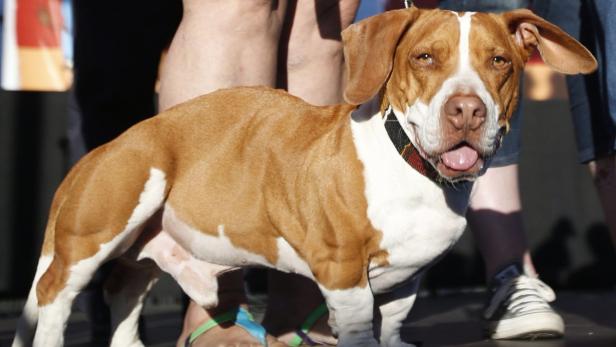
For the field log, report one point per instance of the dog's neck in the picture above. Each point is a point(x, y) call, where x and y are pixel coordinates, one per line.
point(400, 139)
point(407, 150)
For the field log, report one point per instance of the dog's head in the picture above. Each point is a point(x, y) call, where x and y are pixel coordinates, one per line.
point(452, 78)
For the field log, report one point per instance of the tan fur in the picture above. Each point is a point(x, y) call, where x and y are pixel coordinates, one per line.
point(490, 38)
point(93, 205)
point(227, 165)
point(500, 34)
point(369, 48)
point(413, 81)
point(558, 50)
point(263, 179)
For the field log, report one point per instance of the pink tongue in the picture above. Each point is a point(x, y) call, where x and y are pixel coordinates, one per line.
point(460, 159)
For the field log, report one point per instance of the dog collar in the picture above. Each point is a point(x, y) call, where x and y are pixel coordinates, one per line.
point(407, 150)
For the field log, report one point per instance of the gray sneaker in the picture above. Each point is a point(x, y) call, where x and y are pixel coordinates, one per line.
point(519, 307)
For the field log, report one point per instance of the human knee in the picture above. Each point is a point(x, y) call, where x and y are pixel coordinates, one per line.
point(315, 37)
point(311, 49)
point(314, 57)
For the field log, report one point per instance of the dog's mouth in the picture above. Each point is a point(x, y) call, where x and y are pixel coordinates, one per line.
point(462, 161)
point(460, 158)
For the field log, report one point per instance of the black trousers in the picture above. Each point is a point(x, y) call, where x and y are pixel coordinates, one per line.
point(117, 51)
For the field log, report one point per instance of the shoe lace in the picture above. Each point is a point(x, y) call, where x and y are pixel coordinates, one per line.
point(521, 294)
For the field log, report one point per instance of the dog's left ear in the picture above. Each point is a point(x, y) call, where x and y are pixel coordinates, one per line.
point(369, 48)
point(560, 51)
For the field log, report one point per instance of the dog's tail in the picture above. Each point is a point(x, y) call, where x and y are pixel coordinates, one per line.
point(26, 325)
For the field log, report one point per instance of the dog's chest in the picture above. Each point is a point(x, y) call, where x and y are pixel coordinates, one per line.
point(419, 219)
point(413, 245)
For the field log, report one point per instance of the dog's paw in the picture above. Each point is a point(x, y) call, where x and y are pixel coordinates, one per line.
point(397, 343)
point(357, 342)
point(401, 344)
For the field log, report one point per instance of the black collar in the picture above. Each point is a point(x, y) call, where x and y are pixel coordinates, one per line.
point(407, 150)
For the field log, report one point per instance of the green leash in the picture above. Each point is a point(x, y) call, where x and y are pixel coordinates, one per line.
point(301, 335)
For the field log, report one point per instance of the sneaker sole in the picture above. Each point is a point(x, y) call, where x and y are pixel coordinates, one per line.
point(539, 325)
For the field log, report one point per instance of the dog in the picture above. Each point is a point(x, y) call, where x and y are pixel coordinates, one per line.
point(256, 177)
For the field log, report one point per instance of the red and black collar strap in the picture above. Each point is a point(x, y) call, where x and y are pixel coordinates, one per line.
point(407, 150)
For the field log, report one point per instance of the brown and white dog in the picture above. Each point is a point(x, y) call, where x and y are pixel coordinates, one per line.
point(254, 176)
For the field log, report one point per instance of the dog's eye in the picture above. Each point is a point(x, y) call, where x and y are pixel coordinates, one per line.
point(500, 62)
point(424, 58)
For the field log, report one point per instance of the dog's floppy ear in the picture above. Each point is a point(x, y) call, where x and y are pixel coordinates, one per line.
point(369, 48)
point(559, 50)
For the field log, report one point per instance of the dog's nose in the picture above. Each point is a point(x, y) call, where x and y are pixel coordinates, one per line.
point(465, 111)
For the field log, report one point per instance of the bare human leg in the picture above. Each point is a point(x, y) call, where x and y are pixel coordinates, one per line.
point(495, 218)
point(220, 44)
point(310, 66)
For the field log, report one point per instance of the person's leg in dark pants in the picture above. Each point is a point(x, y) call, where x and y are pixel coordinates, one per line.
point(118, 45)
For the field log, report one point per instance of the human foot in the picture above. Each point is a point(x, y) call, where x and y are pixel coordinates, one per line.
point(232, 328)
point(228, 336)
point(295, 303)
point(313, 331)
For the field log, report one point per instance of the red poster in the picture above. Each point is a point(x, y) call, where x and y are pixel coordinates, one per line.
point(32, 47)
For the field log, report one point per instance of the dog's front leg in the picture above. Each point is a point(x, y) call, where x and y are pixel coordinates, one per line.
point(353, 312)
point(394, 308)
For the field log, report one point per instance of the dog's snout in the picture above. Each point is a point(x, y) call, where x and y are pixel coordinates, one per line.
point(465, 111)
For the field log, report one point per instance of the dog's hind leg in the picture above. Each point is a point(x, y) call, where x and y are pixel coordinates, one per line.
point(197, 278)
point(62, 283)
point(81, 246)
point(125, 291)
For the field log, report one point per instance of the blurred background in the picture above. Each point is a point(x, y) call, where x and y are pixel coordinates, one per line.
point(570, 243)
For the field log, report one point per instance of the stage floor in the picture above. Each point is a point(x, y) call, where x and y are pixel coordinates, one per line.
point(436, 321)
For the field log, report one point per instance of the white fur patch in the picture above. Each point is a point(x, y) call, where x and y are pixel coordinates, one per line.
point(464, 62)
point(213, 249)
point(53, 319)
point(468, 79)
point(352, 310)
point(289, 260)
point(150, 199)
point(419, 219)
